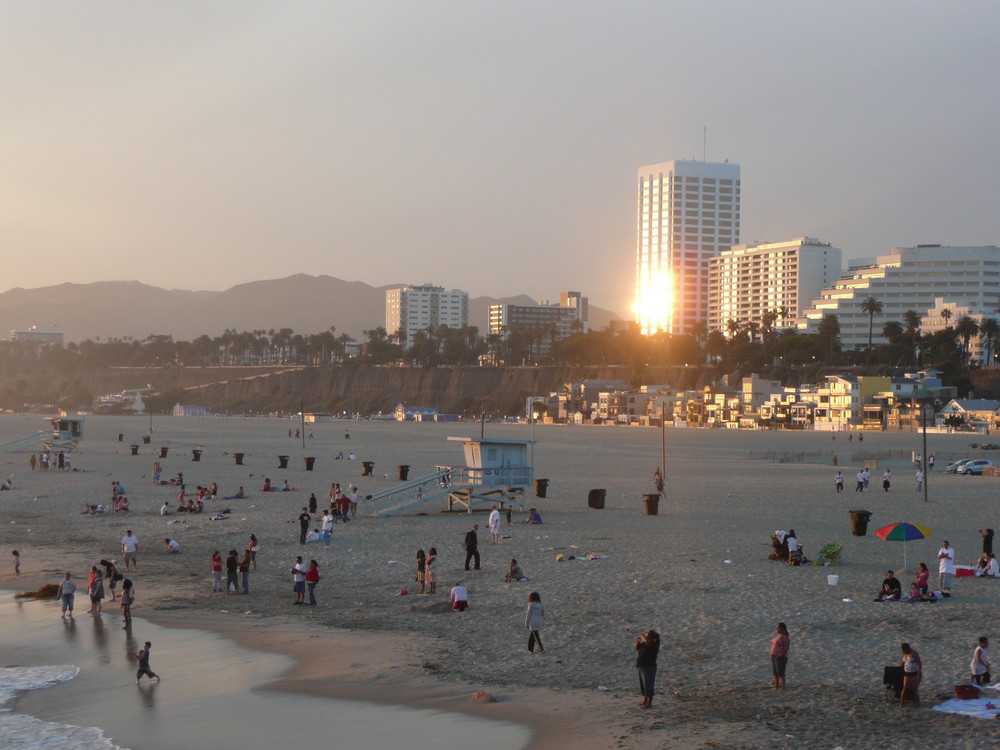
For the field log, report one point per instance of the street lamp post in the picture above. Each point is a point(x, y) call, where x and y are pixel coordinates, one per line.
point(923, 459)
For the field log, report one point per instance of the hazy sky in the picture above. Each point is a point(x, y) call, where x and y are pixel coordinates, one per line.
point(488, 146)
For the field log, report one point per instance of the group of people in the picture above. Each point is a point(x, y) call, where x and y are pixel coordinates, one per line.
point(785, 547)
point(62, 460)
point(237, 569)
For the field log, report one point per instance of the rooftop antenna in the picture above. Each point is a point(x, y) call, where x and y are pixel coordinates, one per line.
point(704, 142)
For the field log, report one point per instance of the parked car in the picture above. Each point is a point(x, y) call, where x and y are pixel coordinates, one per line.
point(952, 468)
point(974, 467)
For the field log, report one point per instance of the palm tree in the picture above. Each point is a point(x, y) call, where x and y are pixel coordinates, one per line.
point(966, 328)
point(946, 316)
point(829, 331)
point(892, 329)
point(783, 312)
point(732, 327)
point(989, 329)
point(871, 307)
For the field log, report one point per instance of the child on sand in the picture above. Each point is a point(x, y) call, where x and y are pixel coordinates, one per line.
point(143, 656)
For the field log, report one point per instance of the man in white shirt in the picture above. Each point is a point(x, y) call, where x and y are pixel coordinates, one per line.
point(459, 598)
point(327, 527)
point(860, 476)
point(946, 568)
point(165, 509)
point(130, 543)
point(494, 524)
point(299, 576)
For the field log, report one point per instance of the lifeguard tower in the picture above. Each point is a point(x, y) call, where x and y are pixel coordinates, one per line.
point(66, 432)
point(496, 472)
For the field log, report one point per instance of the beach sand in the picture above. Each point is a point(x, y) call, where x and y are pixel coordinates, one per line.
point(698, 573)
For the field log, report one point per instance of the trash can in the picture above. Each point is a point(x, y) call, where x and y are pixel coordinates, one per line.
point(196, 454)
point(309, 461)
point(859, 522)
point(163, 451)
point(121, 436)
point(367, 467)
point(541, 487)
point(282, 462)
point(403, 472)
point(595, 499)
point(146, 439)
point(238, 458)
point(652, 501)
point(135, 450)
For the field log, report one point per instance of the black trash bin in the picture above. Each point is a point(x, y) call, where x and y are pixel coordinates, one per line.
point(282, 462)
point(163, 451)
point(238, 458)
point(135, 450)
point(541, 487)
point(595, 499)
point(403, 472)
point(859, 522)
point(146, 439)
point(309, 461)
point(652, 501)
point(367, 467)
point(196, 454)
point(121, 436)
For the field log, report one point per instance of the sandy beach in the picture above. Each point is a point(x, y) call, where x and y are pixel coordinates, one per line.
point(698, 573)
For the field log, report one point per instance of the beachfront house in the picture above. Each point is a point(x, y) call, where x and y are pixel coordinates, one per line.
point(978, 413)
point(189, 410)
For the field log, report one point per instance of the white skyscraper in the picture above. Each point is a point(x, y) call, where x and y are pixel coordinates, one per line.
point(409, 309)
point(689, 211)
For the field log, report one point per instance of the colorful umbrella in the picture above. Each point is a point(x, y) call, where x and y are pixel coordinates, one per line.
point(903, 532)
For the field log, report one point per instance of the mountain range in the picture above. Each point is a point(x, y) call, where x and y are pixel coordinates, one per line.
point(304, 303)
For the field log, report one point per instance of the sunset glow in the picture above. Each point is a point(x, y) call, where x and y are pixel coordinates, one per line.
point(654, 303)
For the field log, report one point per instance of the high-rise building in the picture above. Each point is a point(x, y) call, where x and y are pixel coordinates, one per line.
point(409, 309)
point(784, 277)
point(689, 211)
point(39, 335)
point(905, 279)
point(552, 323)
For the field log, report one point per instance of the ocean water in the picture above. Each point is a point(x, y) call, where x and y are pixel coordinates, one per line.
point(22, 732)
point(71, 685)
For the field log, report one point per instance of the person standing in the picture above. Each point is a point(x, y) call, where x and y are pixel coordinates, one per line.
point(32, 461)
point(96, 591)
point(867, 477)
point(472, 546)
point(298, 572)
point(860, 477)
point(327, 528)
point(494, 524)
point(779, 655)
point(111, 575)
point(143, 656)
point(253, 547)
point(839, 481)
point(128, 596)
point(421, 569)
point(16, 559)
point(244, 570)
point(981, 663)
point(913, 673)
point(930, 462)
point(987, 541)
point(354, 501)
point(130, 545)
point(216, 571)
point(313, 503)
point(886, 480)
point(66, 593)
point(533, 618)
point(312, 578)
point(648, 646)
point(919, 478)
point(232, 565)
point(946, 567)
point(430, 574)
point(304, 519)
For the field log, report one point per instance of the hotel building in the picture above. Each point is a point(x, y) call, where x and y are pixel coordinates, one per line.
point(907, 278)
point(409, 309)
point(554, 322)
point(748, 280)
point(689, 211)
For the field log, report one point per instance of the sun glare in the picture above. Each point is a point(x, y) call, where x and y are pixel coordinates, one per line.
point(654, 303)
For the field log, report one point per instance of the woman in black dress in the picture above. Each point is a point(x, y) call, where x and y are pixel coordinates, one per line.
point(648, 646)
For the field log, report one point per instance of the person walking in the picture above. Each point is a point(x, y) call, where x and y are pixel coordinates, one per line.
point(648, 646)
point(66, 593)
point(128, 596)
point(312, 578)
point(860, 477)
point(298, 572)
point(981, 663)
point(913, 673)
point(779, 655)
point(472, 546)
point(143, 656)
point(216, 571)
point(304, 519)
point(919, 477)
point(886, 480)
point(232, 566)
point(533, 618)
point(839, 481)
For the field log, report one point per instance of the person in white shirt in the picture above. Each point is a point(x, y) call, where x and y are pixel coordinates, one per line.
point(299, 575)
point(354, 502)
point(920, 480)
point(130, 543)
point(839, 481)
point(494, 524)
point(171, 546)
point(860, 476)
point(886, 480)
point(981, 663)
point(165, 509)
point(327, 527)
point(946, 568)
point(459, 598)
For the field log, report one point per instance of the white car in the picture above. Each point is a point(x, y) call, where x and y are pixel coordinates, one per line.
point(952, 468)
point(974, 467)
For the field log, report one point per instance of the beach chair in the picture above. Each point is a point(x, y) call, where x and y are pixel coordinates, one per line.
point(892, 679)
point(829, 554)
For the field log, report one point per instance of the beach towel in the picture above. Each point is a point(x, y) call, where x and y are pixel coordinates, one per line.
point(980, 708)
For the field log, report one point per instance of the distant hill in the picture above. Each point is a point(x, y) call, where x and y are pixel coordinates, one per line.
point(304, 303)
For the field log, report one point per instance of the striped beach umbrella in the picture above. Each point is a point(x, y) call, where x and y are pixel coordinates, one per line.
point(904, 532)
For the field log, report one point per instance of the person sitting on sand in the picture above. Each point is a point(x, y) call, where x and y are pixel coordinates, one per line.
point(266, 487)
point(313, 536)
point(891, 589)
point(533, 516)
point(240, 494)
point(7, 484)
point(165, 509)
point(171, 546)
point(988, 568)
point(514, 572)
point(913, 595)
point(923, 576)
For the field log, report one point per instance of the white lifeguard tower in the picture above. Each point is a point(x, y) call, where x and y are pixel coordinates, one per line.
point(496, 471)
point(66, 432)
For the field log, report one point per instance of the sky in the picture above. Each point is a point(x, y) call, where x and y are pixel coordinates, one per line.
point(486, 146)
